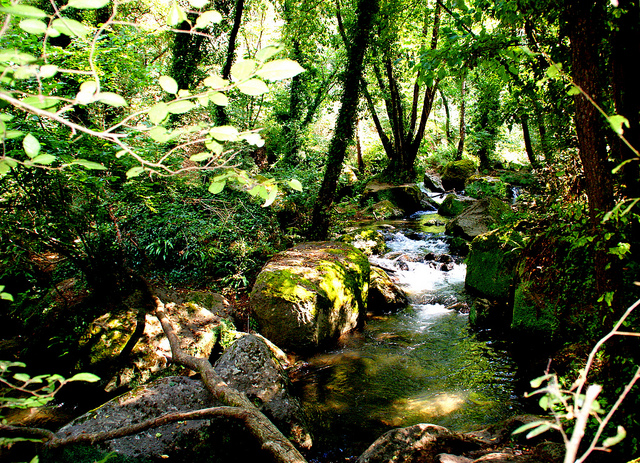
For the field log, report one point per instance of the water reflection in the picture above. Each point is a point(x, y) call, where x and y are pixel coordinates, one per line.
point(421, 365)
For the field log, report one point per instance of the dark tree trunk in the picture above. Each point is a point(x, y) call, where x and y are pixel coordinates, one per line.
point(343, 134)
point(359, 151)
point(447, 126)
point(626, 44)
point(586, 22)
point(187, 54)
point(463, 128)
point(221, 114)
point(524, 121)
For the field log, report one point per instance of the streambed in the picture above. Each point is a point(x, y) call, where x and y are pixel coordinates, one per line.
point(421, 365)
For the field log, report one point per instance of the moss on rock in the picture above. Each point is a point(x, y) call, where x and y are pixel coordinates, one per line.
point(311, 294)
point(453, 205)
point(456, 173)
point(534, 316)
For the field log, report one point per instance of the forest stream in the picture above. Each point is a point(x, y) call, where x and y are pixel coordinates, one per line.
point(423, 364)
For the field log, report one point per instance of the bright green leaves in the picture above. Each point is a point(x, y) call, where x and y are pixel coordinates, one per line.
point(616, 122)
point(295, 184)
point(5, 296)
point(279, 69)
point(24, 10)
point(168, 84)
point(208, 18)
point(243, 69)
point(224, 133)
point(33, 26)
point(31, 145)
point(89, 94)
point(88, 4)
point(70, 27)
point(253, 87)
point(176, 14)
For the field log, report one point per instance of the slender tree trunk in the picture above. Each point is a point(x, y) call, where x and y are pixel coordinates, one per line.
point(187, 54)
point(221, 114)
point(367, 9)
point(463, 129)
point(447, 125)
point(359, 149)
point(524, 121)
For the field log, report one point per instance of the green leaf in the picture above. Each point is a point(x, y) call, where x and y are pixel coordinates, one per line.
point(202, 156)
point(135, 171)
point(112, 99)
point(176, 15)
point(544, 427)
point(33, 26)
point(31, 145)
point(168, 84)
point(536, 383)
point(253, 87)
point(158, 113)
point(198, 3)
point(23, 377)
point(268, 52)
point(243, 69)
point(88, 377)
point(88, 4)
point(40, 102)
point(70, 27)
point(219, 99)
point(15, 56)
point(215, 82)
point(44, 159)
point(224, 133)
point(89, 164)
point(6, 297)
point(271, 197)
point(217, 187)
point(279, 69)
point(253, 138)
point(621, 434)
point(554, 70)
point(574, 90)
point(616, 122)
point(207, 18)
point(214, 146)
point(180, 107)
point(24, 10)
point(48, 70)
point(295, 184)
point(160, 134)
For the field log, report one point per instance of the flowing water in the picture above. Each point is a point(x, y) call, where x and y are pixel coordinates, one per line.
point(421, 365)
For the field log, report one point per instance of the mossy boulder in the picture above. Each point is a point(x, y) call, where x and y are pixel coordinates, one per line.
point(384, 294)
point(408, 197)
point(491, 264)
point(454, 205)
point(534, 315)
point(368, 240)
point(385, 210)
point(311, 294)
point(478, 218)
point(456, 173)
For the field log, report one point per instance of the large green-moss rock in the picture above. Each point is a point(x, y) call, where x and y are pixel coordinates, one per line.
point(491, 264)
point(310, 295)
point(534, 315)
point(478, 218)
point(454, 205)
point(456, 173)
point(408, 197)
point(384, 294)
point(368, 240)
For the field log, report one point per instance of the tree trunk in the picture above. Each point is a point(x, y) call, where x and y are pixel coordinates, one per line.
point(626, 44)
point(187, 54)
point(221, 114)
point(447, 125)
point(524, 121)
point(343, 134)
point(463, 129)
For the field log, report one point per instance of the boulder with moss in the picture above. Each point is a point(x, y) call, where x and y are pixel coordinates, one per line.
point(491, 263)
point(478, 218)
point(384, 295)
point(407, 197)
point(534, 314)
point(454, 205)
point(368, 240)
point(310, 295)
point(456, 173)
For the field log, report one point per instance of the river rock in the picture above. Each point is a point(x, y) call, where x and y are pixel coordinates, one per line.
point(384, 294)
point(454, 205)
point(417, 443)
point(408, 197)
point(456, 173)
point(106, 337)
point(251, 365)
point(433, 182)
point(384, 210)
point(369, 241)
point(477, 218)
point(309, 295)
point(491, 263)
